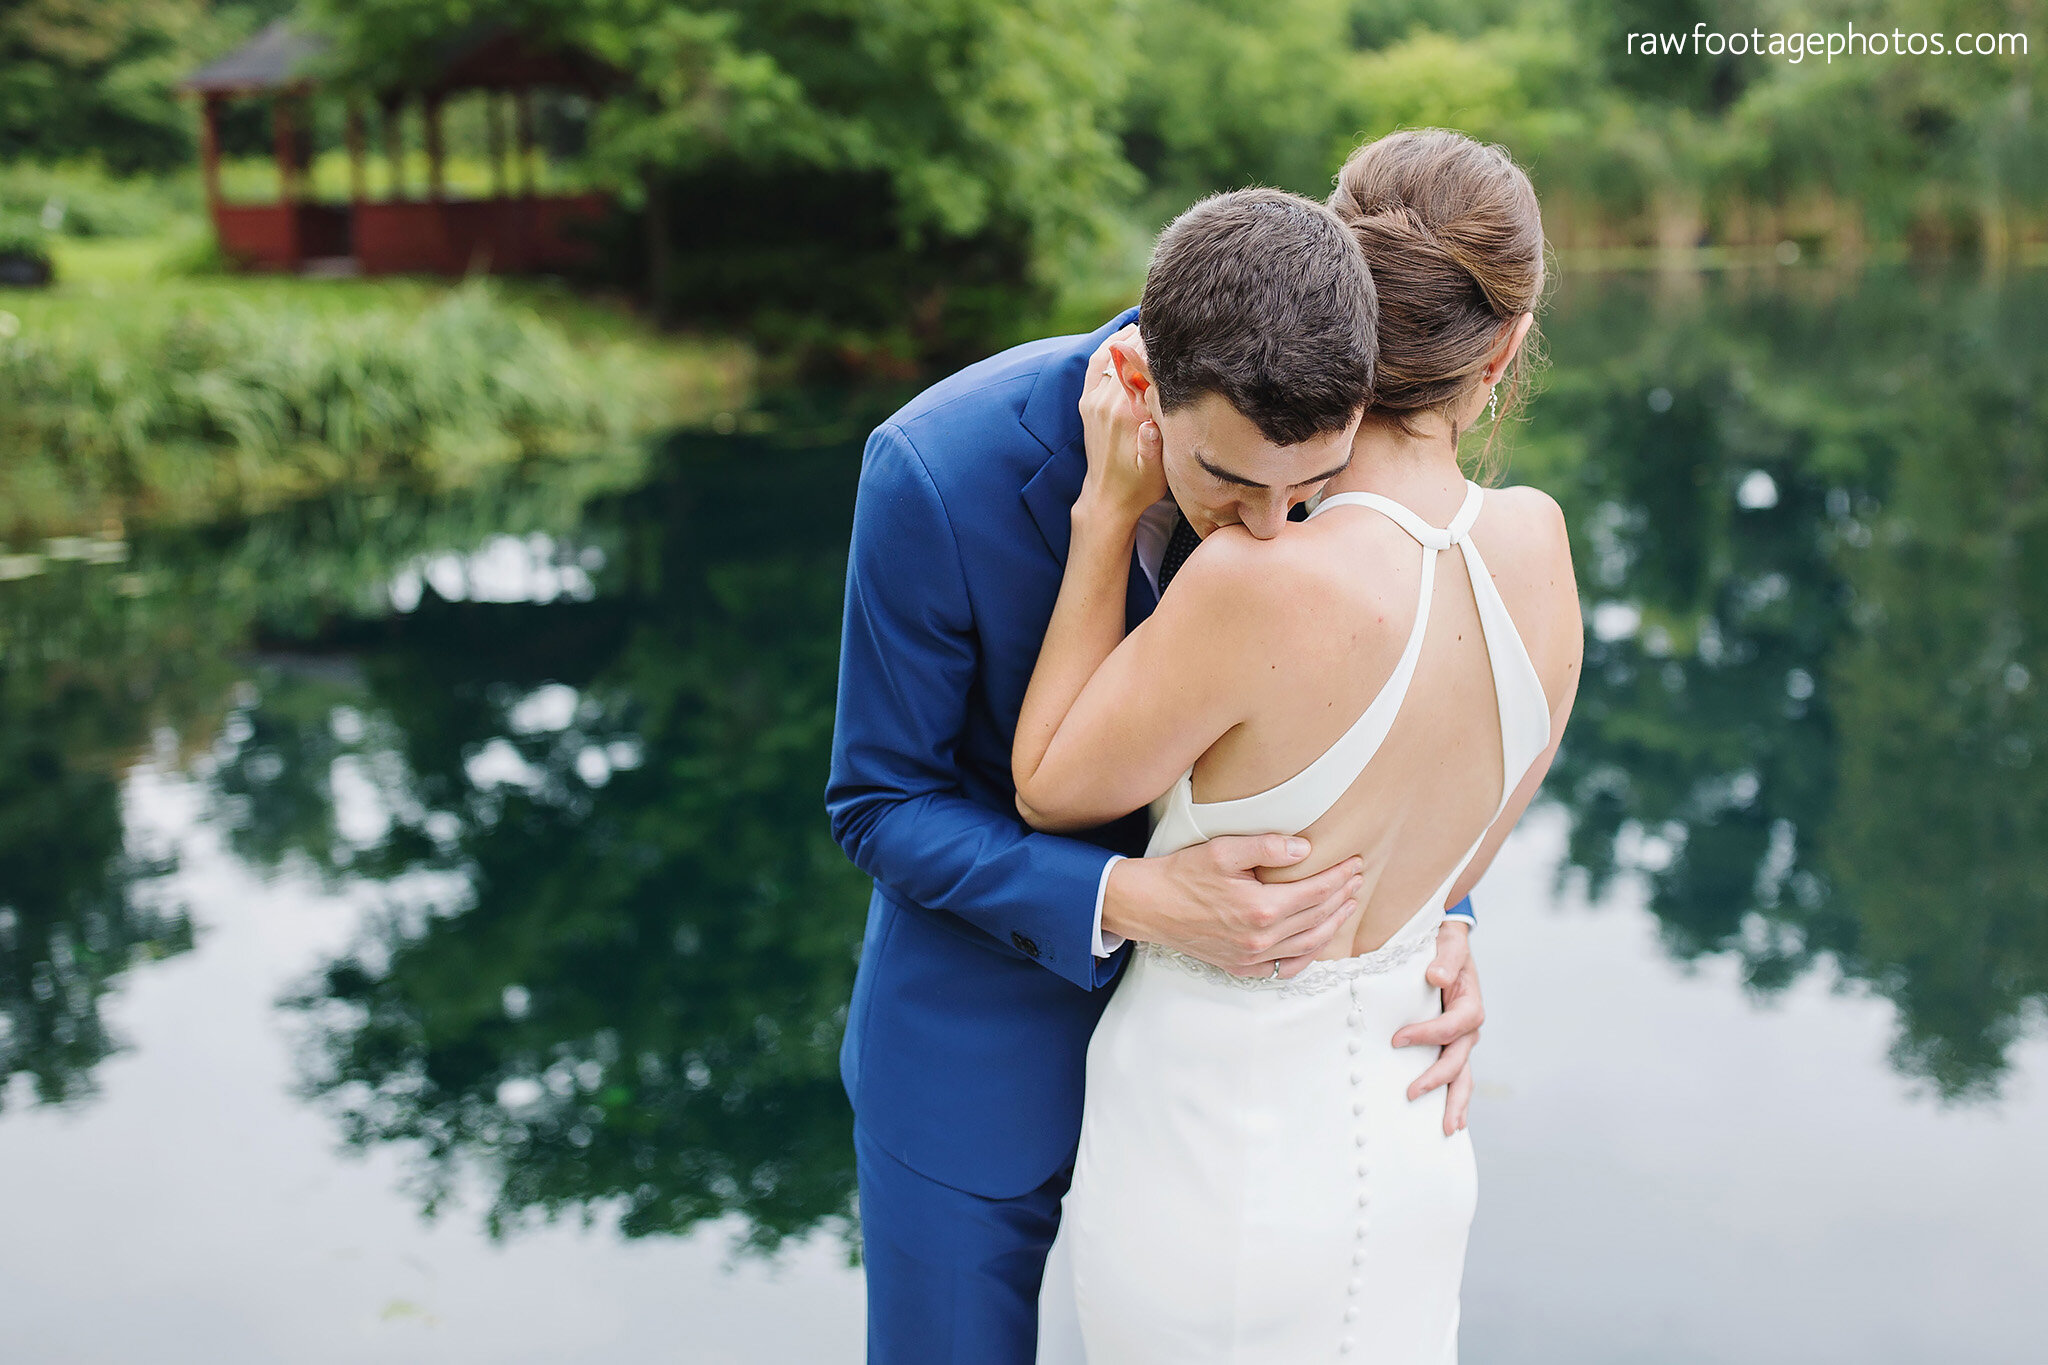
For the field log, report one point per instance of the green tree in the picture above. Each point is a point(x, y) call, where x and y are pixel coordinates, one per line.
point(95, 78)
point(1233, 92)
point(969, 137)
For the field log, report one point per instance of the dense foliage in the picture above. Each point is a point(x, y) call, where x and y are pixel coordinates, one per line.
point(98, 78)
point(925, 169)
point(1676, 149)
point(815, 157)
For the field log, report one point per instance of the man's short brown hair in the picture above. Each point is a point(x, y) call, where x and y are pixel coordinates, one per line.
point(1263, 297)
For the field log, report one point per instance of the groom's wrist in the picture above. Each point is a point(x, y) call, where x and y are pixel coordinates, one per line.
point(1126, 898)
point(1102, 942)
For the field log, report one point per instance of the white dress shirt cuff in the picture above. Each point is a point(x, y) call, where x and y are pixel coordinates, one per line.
point(1105, 944)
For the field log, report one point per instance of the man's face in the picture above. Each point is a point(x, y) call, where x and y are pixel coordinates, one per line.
point(1224, 472)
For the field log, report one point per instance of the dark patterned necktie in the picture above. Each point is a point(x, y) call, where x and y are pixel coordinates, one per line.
point(1179, 546)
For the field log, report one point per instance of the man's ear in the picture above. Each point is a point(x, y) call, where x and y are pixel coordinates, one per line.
point(1132, 369)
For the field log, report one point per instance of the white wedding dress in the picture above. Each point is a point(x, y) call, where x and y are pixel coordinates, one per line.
point(1253, 1185)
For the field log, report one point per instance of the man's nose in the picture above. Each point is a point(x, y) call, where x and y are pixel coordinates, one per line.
point(1265, 518)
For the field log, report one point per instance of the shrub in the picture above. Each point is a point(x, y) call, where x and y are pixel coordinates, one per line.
point(190, 409)
point(81, 200)
point(23, 258)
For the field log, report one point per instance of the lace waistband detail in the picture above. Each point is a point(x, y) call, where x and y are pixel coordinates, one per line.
point(1408, 941)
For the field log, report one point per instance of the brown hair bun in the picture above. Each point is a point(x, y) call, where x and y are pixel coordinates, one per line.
point(1452, 231)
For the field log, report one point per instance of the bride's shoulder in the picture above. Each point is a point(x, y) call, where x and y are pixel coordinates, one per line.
point(1526, 503)
point(1529, 554)
point(1235, 559)
point(1234, 574)
point(1527, 523)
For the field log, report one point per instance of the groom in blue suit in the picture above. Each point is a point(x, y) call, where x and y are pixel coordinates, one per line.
point(990, 949)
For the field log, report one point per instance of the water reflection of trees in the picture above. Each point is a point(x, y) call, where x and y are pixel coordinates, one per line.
point(630, 993)
point(81, 685)
point(113, 650)
point(638, 1002)
point(1809, 520)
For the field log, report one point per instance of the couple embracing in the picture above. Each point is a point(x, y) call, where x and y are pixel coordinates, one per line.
point(1173, 795)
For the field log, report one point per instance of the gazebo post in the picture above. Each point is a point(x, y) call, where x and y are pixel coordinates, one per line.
point(393, 106)
point(436, 186)
point(283, 138)
point(358, 176)
point(209, 151)
point(494, 134)
point(282, 135)
point(523, 109)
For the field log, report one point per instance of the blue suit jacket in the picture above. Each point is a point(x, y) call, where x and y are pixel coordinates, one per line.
point(978, 986)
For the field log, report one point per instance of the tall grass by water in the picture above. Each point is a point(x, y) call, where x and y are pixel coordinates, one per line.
point(176, 403)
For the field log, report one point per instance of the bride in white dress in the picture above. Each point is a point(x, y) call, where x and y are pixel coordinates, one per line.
point(1389, 679)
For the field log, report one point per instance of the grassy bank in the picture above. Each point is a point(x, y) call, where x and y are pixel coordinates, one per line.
point(125, 392)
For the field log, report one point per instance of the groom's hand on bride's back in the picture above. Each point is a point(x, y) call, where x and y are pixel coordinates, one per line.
point(1208, 902)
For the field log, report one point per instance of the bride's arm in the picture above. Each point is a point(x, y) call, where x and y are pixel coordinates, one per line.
point(1109, 723)
point(1108, 726)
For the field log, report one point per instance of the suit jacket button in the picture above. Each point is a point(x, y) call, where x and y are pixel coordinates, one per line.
point(1024, 945)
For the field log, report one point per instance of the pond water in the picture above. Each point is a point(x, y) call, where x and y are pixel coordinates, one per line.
point(420, 938)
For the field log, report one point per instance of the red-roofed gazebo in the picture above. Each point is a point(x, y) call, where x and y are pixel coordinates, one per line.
point(512, 230)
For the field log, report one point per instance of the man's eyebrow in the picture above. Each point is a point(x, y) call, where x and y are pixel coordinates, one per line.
point(1242, 482)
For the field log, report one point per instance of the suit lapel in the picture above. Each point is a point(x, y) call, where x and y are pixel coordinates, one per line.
point(1052, 408)
point(1052, 414)
point(1049, 497)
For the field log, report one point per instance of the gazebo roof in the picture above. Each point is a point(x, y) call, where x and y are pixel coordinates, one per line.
point(484, 57)
point(491, 57)
point(278, 56)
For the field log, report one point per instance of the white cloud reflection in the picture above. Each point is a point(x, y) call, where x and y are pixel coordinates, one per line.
point(507, 568)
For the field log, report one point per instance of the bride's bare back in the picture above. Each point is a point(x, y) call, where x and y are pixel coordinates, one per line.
point(1340, 594)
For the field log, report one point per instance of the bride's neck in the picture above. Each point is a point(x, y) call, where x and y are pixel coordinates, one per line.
point(1389, 460)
